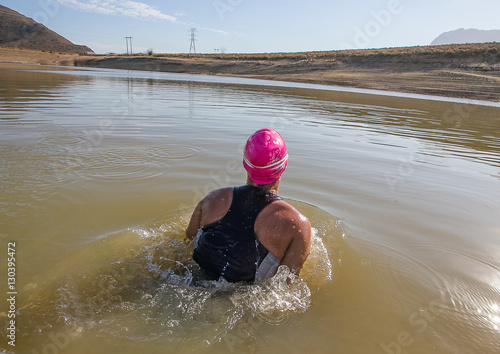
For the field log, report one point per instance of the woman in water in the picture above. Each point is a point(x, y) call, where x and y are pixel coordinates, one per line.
point(244, 233)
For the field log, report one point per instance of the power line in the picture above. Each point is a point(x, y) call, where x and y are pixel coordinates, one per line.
point(192, 46)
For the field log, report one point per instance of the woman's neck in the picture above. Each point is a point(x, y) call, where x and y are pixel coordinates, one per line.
point(271, 187)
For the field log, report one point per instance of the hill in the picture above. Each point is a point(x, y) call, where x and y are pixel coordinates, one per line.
point(471, 35)
point(19, 31)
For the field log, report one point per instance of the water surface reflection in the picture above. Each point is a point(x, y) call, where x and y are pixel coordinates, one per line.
point(101, 168)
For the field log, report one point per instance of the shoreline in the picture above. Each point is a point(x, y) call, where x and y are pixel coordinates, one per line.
point(467, 77)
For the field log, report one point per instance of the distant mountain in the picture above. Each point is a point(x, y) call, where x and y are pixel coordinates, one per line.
point(462, 36)
point(19, 31)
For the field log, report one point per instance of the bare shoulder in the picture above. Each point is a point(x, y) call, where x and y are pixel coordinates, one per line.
point(284, 212)
point(215, 205)
point(279, 226)
point(210, 209)
point(217, 195)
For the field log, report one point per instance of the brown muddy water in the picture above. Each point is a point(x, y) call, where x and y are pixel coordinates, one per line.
point(100, 170)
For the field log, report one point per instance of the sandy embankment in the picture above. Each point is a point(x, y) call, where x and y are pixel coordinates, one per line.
point(422, 74)
point(25, 56)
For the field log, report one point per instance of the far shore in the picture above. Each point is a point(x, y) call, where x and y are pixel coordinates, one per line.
point(467, 71)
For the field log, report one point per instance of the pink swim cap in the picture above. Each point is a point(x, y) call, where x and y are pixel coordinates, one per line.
point(265, 156)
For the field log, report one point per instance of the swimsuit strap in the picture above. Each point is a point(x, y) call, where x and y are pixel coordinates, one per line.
point(248, 202)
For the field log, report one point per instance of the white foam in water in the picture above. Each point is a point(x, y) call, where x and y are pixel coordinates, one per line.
point(276, 298)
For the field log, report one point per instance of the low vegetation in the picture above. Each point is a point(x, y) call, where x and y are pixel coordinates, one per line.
point(486, 50)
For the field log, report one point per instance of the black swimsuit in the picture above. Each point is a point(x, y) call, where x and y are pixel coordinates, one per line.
point(228, 247)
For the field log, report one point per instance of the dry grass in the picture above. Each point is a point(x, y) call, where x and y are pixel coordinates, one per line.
point(28, 56)
point(486, 50)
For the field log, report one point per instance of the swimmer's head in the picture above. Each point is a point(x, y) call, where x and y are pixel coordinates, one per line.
point(265, 157)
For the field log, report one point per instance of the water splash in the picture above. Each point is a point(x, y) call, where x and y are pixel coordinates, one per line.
point(147, 288)
point(275, 299)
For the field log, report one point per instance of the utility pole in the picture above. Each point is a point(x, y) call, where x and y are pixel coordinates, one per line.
point(192, 46)
point(129, 39)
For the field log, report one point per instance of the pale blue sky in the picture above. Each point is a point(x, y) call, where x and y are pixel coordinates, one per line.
point(249, 26)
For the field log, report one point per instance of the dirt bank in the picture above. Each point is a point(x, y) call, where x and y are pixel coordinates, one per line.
point(26, 56)
point(462, 71)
